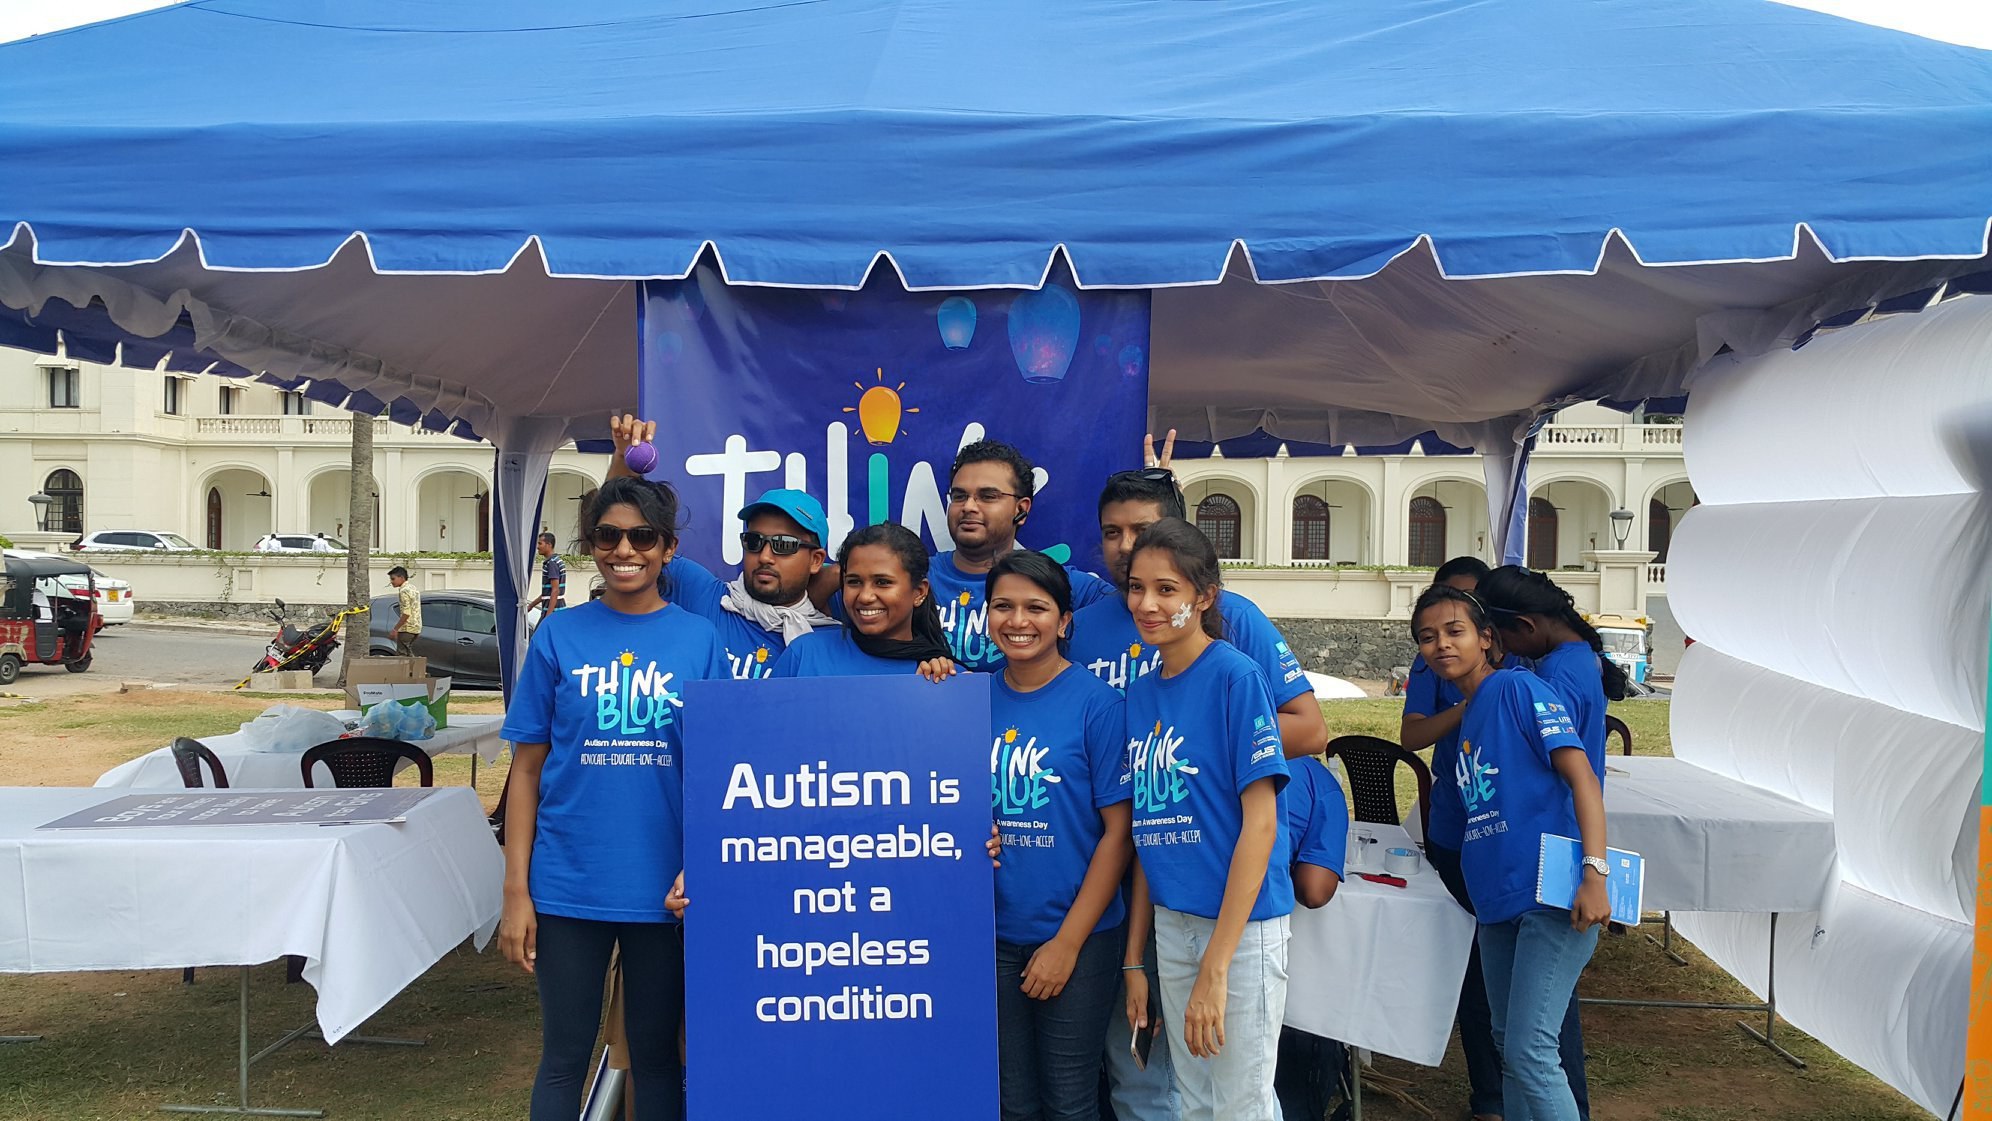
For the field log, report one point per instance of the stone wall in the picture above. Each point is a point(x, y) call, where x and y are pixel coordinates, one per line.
point(299, 614)
point(1350, 648)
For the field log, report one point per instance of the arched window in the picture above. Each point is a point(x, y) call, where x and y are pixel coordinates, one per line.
point(1428, 532)
point(1220, 521)
point(1310, 528)
point(1659, 529)
point(65, 514)
point(214, 518)
point(1542, 535)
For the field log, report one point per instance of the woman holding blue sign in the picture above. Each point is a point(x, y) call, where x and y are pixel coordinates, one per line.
point(1060, 794)
point(1207, 767)
point(1523, 774)
point(894, 625)
point(594, 805)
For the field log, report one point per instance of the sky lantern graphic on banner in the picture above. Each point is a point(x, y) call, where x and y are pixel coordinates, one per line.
point(957, 322)
point(1044, 329)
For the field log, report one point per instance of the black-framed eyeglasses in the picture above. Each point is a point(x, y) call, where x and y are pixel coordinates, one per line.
point(1145, 475)
point(782, 544)
point(642, 538)
point(986, 496)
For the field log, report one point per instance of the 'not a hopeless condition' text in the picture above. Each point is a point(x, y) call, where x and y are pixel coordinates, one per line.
point(819, 787)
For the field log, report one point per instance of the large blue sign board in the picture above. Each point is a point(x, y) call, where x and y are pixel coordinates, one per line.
point(863, 398)
point(840, 942)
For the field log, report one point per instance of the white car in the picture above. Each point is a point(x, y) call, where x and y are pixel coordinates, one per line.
point(298, 543)
point(120, 540)
point(114, 596)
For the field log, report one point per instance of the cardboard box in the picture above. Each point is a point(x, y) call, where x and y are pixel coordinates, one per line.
point(433, 693)
point(384, 671)
point(281, 681)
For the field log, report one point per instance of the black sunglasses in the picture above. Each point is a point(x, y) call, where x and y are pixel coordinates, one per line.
point(642, 538)
point(782, 544)
point(1145, 474)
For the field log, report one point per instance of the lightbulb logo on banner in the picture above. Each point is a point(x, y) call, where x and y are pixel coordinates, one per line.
point(863, 399)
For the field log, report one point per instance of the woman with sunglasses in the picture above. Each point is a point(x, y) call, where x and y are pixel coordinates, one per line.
point(594, 805)
point(894, 627)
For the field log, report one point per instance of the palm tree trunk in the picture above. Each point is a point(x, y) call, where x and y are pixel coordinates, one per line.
point(359, 541)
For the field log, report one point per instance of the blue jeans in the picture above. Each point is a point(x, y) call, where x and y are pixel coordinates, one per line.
point(1141, 1093)
point(1476, 1026)
point(1531, 964)
point(1050, 1049)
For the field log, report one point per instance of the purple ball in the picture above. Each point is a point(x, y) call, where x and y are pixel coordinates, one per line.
point(641, 458)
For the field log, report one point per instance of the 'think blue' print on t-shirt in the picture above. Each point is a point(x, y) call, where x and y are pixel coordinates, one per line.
point(1195, 742)
point(1056, 758)
point(1510, 788)
point(603, 690)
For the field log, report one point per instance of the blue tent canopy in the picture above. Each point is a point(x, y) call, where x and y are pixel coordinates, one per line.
point(440, 204)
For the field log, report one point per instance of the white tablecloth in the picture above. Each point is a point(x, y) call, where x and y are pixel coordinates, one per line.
point(369, 907)
point(1380, 967)
point(278, 770)
point(1712, 843)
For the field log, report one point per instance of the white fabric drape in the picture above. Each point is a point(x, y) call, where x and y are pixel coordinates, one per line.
point(1836, 583)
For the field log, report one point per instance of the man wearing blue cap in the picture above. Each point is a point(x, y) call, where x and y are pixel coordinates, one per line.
point(767, 606)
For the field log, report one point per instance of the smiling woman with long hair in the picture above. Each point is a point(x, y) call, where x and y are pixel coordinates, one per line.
point(594, 805)
point(894, 627)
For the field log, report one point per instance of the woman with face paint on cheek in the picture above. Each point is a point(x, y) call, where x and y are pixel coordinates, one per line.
point(1206, 764)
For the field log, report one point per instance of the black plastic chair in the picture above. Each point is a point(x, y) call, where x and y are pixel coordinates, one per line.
point(1372, 767)
point(366, 761)
point(1616, 727)
point(188, 755)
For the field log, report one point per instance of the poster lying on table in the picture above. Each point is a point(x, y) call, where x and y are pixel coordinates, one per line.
point(840, 939)
point(246, 807)
point(863, 398)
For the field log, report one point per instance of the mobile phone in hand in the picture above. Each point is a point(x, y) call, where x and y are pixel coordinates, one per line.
point(1141, 1045)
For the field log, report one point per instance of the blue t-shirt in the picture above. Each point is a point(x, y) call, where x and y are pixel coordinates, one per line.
point(1195, 742)
point(834, 653)
point(1058, 757)
point(1572, 670)
point(965, 611)
point(1317, 816)
point(1105, 641)
point(1428, 694)
point(751, 649)
point(603, 691)
point(1511, 790)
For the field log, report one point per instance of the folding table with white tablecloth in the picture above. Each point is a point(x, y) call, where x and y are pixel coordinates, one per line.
point(369, 907)
point(1712, 843)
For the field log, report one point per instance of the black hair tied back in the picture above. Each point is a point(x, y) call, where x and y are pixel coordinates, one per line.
point(1513, 590)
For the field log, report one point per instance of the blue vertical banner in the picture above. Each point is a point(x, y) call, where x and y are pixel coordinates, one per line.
point(840, 939)
point(863, 398)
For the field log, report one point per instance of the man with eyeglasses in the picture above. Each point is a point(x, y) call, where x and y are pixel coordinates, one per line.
point(990, 490)
point(759, 612)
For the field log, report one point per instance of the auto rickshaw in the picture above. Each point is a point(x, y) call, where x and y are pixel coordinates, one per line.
point(41, 623)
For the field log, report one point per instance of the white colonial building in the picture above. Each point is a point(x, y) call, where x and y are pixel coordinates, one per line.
point(223, 462)
point(1419, 510)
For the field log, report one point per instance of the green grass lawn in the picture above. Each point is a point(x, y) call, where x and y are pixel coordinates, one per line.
point(118, 1045)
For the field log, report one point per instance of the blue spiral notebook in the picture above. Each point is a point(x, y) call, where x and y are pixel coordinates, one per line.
point(1560, 869)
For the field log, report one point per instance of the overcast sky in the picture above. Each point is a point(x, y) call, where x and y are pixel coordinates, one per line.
point(1959, 21)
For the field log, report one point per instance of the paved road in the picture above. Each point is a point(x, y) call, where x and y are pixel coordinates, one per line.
point(195, 656)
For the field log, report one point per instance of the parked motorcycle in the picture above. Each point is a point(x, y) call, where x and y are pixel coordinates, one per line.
point(299, 647)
